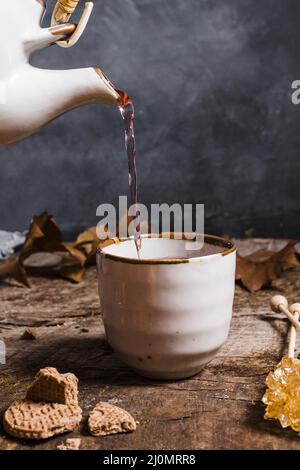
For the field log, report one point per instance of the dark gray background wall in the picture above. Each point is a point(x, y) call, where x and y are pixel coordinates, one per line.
point(211, 80)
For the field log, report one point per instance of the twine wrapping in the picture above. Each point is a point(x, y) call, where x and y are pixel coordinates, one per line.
point(64, 9)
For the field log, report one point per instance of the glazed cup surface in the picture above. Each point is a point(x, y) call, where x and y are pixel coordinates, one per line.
point(166, 318)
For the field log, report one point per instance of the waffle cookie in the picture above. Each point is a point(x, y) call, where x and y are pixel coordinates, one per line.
point(107, 419)
point(29, 420)
point(51, 386)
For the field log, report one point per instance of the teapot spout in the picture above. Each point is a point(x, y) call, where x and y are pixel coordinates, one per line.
point(38, 96)
point(77, 87)
point(112, 96)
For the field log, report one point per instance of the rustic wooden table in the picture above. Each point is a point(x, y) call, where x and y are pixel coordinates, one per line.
point(218, 409)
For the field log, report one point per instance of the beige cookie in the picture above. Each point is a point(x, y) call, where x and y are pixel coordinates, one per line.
point(51, 386)
point(107, 419)
point(29, 420)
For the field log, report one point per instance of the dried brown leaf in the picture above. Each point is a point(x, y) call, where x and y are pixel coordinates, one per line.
point(88, 242)
point(264, 266)
point(72, 272)
point(14, 268)
point(73, 263)
point(43, 236)
point(74, 255)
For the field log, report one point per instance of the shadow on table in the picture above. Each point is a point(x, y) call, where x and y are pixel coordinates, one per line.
point(281, 326)
point(88, 358)
point(256, 422)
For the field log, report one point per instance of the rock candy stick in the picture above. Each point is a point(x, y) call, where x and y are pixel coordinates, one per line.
point(295, 310)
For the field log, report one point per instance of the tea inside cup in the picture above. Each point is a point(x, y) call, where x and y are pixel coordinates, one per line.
point(175, 247)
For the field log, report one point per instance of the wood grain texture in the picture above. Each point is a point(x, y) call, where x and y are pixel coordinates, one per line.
point(219, 408)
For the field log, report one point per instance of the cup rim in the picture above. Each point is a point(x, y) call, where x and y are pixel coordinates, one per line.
point(221, 241)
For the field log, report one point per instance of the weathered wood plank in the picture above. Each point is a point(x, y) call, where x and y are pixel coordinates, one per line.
point(220, 408)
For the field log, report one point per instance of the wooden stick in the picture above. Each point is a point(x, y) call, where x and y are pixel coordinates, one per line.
point(280, 304)
point(295, 310)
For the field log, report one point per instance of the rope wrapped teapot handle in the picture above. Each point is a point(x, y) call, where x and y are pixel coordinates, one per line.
point(63, 11)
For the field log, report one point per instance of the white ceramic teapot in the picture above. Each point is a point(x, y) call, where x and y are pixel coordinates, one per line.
point(31, 97)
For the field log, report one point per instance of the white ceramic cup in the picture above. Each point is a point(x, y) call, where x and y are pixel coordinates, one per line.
point(166, 318)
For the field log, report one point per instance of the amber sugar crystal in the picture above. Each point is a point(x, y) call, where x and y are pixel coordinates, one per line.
point(282, 395)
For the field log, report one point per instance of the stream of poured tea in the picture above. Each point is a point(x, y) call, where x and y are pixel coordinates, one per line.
point(127, 113)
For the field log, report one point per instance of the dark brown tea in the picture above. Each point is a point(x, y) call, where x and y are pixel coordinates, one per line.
point(206, 250)
point(127, 113)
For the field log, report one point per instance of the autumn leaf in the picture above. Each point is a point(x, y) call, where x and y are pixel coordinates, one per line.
point(88, 242)
point(264, 266)
point(71, 268)
point(43, 236)
point(73, 264)
point(14, 268)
